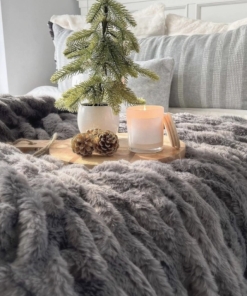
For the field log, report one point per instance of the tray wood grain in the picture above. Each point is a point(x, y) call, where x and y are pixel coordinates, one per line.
point(61, 149)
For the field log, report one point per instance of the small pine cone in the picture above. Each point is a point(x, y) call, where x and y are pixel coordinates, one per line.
point(94, 132)
point(82, 144)
point(106, 143)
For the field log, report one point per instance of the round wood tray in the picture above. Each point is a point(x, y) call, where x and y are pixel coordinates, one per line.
point(62, 150)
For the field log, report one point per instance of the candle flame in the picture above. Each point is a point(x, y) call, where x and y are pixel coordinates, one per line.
point(145, 108)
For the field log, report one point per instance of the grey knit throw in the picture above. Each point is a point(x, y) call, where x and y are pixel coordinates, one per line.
point(141, 229)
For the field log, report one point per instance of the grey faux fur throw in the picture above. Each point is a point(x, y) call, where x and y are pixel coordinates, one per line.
point(26, 117)
point(141, 229)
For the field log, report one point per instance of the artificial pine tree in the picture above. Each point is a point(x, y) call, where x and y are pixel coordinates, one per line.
point(103, 52)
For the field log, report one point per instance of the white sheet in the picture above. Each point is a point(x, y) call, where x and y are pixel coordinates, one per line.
point(50, 91)
point(54, 92)
point(211, 112)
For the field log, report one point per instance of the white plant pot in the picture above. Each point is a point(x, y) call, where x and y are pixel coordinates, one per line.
point(91, 117)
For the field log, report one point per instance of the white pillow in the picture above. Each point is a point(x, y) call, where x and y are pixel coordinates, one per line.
point(70, 22)
point(150, 21)
point(179, 25)
point(237, 24)
point(154, 92)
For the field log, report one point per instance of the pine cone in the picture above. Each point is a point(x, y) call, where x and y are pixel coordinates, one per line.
point(94, 132)
point(106, 143)
point(82, 144)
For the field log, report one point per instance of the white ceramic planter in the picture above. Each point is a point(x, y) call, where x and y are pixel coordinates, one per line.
point(91, 117)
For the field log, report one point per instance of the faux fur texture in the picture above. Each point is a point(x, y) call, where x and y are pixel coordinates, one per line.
point(180, 25)
point(141, 229)
point(149, 21)
point(26, 117)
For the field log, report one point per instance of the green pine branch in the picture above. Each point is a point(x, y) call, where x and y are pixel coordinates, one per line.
point(76, 47)
point(88, 90)
point(85, 53)
point(95, 12)
point(68, 71)
point(104, 51)
point(145, 72)
point(121, 12)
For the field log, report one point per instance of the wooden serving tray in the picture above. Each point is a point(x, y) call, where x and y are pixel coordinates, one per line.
point(61, 149)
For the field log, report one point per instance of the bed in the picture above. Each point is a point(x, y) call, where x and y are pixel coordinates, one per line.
point(139, 229)
point(216, 11)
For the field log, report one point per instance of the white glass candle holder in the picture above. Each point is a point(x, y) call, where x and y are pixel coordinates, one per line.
point(145, 128)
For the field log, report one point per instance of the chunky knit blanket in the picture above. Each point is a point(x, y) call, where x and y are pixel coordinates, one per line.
point(120, 229)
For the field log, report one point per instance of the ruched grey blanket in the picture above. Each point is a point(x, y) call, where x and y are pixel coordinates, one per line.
point(141, 229)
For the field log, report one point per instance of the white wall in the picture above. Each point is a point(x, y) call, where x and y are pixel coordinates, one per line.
point(3, 66)
point(209, 10)
point(28, 46)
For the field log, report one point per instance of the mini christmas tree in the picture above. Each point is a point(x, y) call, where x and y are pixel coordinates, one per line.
point(103, 52)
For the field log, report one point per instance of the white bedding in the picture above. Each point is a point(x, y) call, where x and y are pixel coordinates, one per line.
point(54, 92)
point(50, 91)
point(149, 21)
point(211, 112)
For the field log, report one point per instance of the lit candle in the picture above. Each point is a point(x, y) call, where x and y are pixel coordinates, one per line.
point(145, 128)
